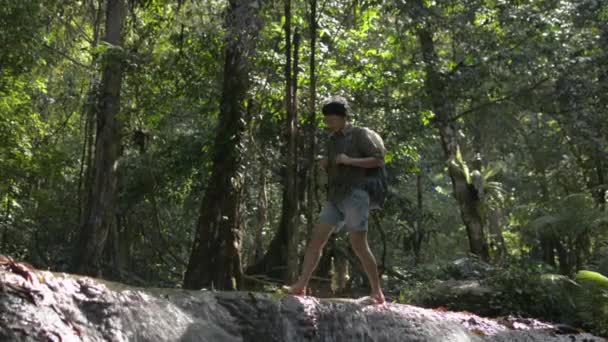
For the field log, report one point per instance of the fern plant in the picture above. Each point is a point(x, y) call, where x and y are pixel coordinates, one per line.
point(574, 222)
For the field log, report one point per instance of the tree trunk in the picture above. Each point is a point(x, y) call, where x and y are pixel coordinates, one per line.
point(495, 217)
point(283, 247)
point(89, 112)
point(548, 241)
point(258, 253)
point(86, 164)
point(99, 213)
point(112, 253)
point(311, 176)
point(124, 243)
point(419, 235)
point(566, 264)
point(5, 225)
point(215, 260)
point(289, 217)
point(603, 126)
point(341, 273)
point(444, 109)
point(600, 194)
point(547, 247)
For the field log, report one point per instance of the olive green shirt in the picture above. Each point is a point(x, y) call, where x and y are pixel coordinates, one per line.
point(355, 142)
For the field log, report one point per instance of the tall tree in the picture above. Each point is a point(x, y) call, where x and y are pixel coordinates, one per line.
point(445, 110)
point(281, 260)
point(311, 175)
point(215, 260)
point(89, 112)
point(291, 204)
point(99, 212)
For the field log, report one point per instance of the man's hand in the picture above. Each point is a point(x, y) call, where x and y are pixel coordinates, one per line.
point(323, 164)
point(343, 159)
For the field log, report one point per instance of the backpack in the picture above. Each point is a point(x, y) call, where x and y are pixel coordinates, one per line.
point(376, 183)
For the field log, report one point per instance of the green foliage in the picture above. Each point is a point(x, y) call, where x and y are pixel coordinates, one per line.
point(21, 37)
point(532, 291)
point(419, 280)
point(571, 220)
point(522, 289)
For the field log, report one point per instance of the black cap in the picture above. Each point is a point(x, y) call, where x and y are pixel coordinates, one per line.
point(336, 106)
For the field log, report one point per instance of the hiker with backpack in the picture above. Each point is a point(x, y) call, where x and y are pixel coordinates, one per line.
point(356, 183)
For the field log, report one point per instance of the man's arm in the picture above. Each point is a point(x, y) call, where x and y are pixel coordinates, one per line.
point(367, 162)
point(371, 147)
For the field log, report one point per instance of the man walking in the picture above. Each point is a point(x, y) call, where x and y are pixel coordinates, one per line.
point(352, 154)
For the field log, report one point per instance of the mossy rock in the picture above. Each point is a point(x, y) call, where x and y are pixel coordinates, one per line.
point(460, 295)
point(468, 269)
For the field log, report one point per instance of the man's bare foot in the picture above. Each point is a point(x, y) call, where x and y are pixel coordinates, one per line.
point(295, 290)
point(378, 298)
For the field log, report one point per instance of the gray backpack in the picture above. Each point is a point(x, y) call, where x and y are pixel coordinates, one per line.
point(376, 183)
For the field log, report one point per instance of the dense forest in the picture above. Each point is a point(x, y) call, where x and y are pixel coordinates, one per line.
point(173, 143)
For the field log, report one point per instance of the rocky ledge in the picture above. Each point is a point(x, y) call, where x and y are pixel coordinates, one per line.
point(43, 306)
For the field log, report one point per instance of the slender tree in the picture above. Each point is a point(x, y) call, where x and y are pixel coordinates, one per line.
point(289, 218)
point(311, 174)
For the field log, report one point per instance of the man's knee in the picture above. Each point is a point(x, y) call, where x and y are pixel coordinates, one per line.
point(321, 234)
point(358, 241)
point(317, 243)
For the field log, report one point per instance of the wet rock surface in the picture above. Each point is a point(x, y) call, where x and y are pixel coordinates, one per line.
point(42, 306)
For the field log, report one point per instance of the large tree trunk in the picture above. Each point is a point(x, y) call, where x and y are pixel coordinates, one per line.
point(215, 260)
point(99, 212)
point(444, 109)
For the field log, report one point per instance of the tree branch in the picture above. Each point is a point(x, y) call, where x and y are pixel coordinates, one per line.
point(505, 98)
point(66, 56)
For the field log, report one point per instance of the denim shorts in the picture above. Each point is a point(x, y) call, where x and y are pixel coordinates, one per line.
point(351, 213)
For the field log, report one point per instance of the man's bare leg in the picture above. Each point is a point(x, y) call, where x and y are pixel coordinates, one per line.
point(320, 235)
point(359, 243)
